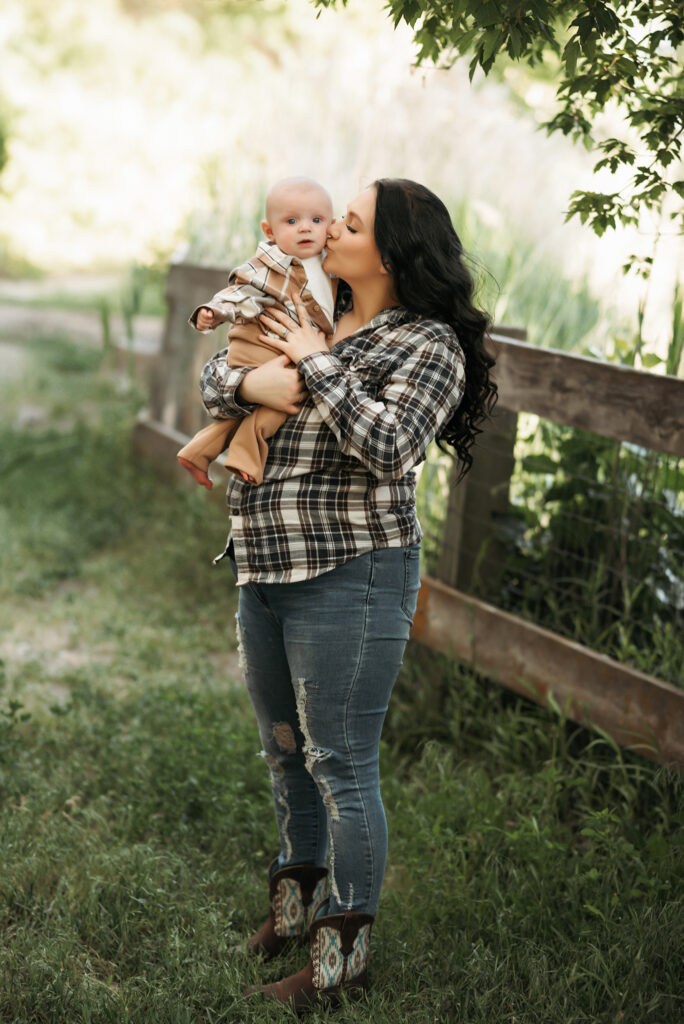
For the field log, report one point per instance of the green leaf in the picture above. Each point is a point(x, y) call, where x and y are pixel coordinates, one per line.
point(492, 39)
point(488, 15)
point(463, 42)
point(539, 464)
point(570, 54)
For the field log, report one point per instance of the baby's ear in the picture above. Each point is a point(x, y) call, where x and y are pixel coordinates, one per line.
point(267, 230)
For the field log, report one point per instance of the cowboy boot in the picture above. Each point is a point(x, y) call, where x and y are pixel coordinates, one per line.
point(338, 964)
point(294, 892)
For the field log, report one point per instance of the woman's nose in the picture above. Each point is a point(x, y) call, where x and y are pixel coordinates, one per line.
point(334, 228)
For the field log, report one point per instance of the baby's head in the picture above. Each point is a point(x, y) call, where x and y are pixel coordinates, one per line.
point(298, 215)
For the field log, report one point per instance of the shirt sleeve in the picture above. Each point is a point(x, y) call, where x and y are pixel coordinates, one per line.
point(219, 384)
point(242, 299)
point(388, 434)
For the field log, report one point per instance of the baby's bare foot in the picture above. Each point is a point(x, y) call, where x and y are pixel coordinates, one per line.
point(199, 474)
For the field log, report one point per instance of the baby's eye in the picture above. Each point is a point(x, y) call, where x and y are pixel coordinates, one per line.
point(291, 220)
point(317, 220)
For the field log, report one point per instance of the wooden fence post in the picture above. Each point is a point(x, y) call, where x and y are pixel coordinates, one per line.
point(174, 399)
point(472, 557)
point(471, 554)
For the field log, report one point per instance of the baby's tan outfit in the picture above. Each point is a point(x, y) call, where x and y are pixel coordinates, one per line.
point(269, 279)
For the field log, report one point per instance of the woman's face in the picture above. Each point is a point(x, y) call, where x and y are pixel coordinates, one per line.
point(351, 252)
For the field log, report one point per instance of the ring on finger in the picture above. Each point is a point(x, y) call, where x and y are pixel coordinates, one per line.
point(285, 333)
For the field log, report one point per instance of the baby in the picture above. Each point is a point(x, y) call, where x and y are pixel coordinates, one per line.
point(298, 214)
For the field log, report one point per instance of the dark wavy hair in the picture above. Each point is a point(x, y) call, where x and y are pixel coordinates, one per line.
point(421, 250)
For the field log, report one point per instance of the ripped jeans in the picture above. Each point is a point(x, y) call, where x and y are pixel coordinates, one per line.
point(321, 657)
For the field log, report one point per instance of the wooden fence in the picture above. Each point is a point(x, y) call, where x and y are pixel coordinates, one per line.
point(637, 710)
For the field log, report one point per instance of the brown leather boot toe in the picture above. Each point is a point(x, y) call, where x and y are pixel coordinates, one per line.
point(338, 966)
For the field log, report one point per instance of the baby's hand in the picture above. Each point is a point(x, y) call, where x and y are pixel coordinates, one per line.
point(205, 319)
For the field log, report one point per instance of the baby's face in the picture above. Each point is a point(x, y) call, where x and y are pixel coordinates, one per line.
point(298, 221)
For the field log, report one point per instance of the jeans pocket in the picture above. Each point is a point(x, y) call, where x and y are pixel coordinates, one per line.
point(411, 581)
point(254, 588)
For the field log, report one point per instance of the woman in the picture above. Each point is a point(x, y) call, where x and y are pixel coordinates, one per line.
point(326, 552)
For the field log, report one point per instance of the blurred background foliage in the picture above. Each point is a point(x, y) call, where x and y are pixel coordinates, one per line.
point(598, 56)
point(137, 131)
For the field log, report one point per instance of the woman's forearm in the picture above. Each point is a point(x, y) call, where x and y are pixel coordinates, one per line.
point(276, 384)
point(387, 431)
point(233, 392)
point(221, 388)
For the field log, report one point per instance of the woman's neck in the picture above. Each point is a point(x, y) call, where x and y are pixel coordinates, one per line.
point(370, 298)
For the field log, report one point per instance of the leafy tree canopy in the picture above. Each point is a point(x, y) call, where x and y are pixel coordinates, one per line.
point(621, 52)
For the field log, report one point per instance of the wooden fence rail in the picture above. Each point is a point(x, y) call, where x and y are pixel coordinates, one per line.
point(615, 401)
point(638, 711)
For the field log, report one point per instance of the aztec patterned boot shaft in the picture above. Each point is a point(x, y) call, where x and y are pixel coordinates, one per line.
point(339, 951)
point(294, 892)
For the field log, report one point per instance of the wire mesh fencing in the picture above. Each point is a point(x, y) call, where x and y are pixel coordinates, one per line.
point(575, 532)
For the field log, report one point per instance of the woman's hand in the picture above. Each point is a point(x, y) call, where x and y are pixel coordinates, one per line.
point(285, 334)
point(277, 384)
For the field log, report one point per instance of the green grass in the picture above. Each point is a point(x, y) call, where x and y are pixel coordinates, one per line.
point(535, 870)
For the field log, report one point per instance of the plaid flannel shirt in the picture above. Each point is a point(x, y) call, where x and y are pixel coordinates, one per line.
point(338, 480)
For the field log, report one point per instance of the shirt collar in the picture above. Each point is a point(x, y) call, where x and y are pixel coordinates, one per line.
point(273, 256)
point(390, 315)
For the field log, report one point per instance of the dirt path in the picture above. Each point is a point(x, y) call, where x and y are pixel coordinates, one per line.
point(22, 321)
point(40, 642)
point(19, 323)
